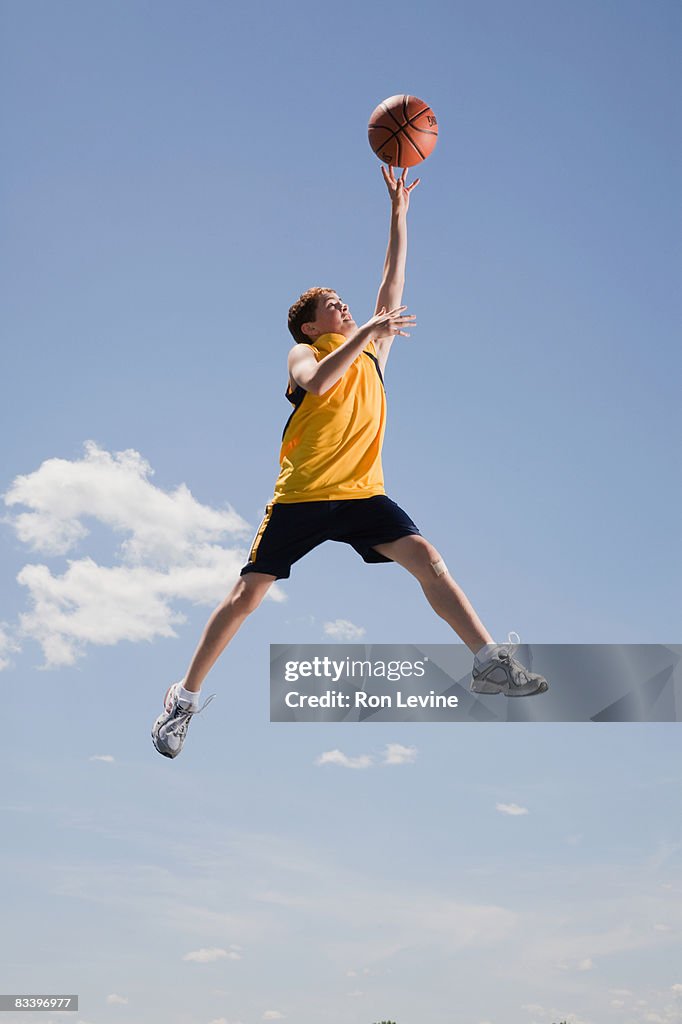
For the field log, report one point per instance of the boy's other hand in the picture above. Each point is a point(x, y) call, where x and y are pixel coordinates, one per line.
point(398, 189)
point(387, 324)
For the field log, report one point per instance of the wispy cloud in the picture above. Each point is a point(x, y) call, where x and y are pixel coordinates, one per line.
point(171, 548)
point(8, 646)
point(343, 761)
point(115, 1000)
point(209, 956)
point(584, 964)
point(393, 754)
point(342, 629)
point(547, 1014)
point(102, 757)
point(511, 809)
point(396, 753)
point(366, 919)
point(273, 1015)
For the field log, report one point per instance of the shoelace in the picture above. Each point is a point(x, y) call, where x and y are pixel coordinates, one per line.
point(509, 650)
point(181, 716)
point(511, 646)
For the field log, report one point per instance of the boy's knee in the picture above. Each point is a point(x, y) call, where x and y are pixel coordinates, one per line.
point(431, 559)
point(430, 564)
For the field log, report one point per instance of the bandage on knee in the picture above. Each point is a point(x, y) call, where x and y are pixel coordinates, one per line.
point(439, 567)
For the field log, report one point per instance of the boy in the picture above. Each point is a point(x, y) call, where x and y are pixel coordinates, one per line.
point(331, 486)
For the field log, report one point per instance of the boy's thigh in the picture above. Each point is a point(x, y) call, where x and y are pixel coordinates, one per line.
point(287, 533)
point(413, 552)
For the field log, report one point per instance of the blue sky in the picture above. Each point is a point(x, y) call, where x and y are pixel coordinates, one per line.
point(175, 174)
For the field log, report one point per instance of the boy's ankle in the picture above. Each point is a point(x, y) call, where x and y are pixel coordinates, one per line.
point(187, 697)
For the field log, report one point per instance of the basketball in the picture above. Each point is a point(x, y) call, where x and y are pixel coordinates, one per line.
point(403, 131)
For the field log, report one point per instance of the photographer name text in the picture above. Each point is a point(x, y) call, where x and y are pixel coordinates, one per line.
point(372, 701)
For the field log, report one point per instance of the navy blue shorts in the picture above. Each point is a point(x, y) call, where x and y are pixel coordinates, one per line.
point(290, 530)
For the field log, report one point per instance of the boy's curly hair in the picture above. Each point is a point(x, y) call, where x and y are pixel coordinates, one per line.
point(304, 310)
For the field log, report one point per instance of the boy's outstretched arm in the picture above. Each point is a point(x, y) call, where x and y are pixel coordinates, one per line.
point(393, 282)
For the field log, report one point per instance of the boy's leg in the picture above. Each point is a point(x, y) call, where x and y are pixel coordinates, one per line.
point(170, 728)
point(447, 599)
point(244, 598)
point(495, 669)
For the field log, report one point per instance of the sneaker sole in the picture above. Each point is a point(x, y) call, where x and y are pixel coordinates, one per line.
point(493, 689)
point(166, 753)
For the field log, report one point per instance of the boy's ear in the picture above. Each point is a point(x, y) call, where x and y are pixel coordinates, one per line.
point(309, 327)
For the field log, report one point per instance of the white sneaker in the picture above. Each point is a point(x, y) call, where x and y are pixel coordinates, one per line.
point(496, 670)
point(170, 728)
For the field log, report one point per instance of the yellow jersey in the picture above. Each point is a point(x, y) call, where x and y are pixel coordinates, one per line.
point(331, 446)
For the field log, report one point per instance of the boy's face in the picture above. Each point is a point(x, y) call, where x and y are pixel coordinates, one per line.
point(332, 317)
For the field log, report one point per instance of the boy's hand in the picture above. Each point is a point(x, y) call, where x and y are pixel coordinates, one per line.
point(386, 325)
point(398, 189)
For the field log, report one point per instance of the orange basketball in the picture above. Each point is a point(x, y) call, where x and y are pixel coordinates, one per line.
point(403, 131)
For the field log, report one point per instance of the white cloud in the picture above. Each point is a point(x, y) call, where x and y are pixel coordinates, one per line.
point(584, 964)
point(273, 1015)
point(662, 928)
point(396, 753)
point(342, 629)
point(341, 759)
point(171, 548)
point(8, 646)
point(677, 989)
point(102, 757)
point(551, 1014)
point(511, 809)
point(209, 956)
point(114, 490)
point(115, 1000)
